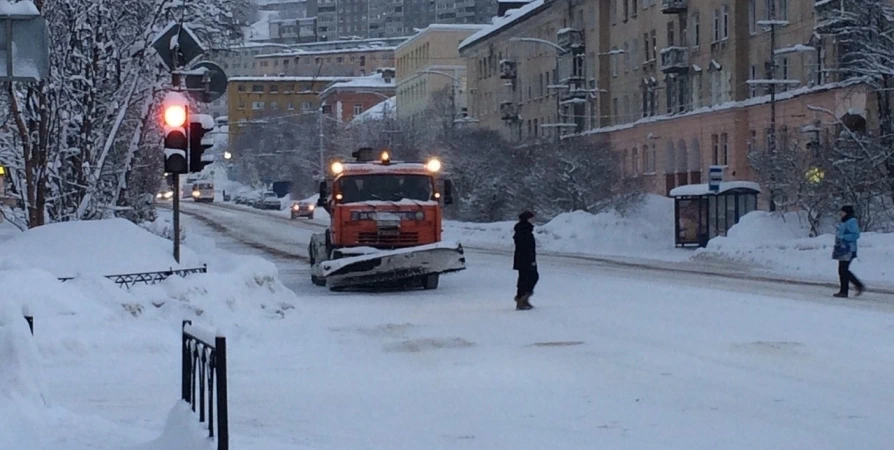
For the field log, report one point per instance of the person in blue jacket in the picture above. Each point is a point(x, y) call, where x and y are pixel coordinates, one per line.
point(845, 251)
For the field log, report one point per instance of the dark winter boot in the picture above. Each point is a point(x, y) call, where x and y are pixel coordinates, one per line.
point(839, 295)
point(522, 303)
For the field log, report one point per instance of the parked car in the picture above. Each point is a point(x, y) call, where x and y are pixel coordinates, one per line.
point(269, 201)
point(303, 208)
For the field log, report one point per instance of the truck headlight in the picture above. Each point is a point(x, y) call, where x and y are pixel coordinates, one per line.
point(196, 194)
point(296, 207)
point(311, 207)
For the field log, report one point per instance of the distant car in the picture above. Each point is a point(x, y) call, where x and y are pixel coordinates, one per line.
point(303, 208)
point(165, 195)
point(270, 201)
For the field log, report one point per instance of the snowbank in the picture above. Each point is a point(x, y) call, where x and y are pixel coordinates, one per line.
point(647, 230)
point(182, 432)
point(22, 402)
point(780, 244)
point(95, 247)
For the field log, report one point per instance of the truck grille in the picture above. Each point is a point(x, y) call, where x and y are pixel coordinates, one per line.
point(402, 238)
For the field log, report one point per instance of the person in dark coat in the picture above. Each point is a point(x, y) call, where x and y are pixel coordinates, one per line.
point(525, 261)
point(845, 251)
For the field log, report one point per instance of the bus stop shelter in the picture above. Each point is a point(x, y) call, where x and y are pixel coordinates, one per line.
point(701, 214)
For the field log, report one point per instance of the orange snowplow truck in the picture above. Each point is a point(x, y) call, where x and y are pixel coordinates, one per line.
point(385, 225)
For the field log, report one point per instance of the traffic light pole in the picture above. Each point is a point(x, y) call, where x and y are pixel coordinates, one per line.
point(176, 217)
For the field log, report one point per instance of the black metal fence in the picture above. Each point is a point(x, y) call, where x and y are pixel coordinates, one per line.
point(148, 278)
point(205, 364)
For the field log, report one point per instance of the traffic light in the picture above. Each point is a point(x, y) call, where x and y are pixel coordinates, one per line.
point(176, 138)
point(199, 141)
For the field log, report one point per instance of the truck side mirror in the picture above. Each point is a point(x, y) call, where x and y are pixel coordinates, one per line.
point(324, 192)
point(448, 192)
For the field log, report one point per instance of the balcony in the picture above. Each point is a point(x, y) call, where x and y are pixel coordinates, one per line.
point(509, 111)
point(576, 91)
point(569, 38)
point(508, 69)
point(674, 6)
point(675, 60)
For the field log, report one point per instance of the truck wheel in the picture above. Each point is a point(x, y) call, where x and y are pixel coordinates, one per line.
point(430, 282)
point(317, 281)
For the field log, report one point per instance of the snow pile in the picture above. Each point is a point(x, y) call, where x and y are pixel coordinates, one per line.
point(96, 247)
point(182, 432)
point(223, 296)
point(645, 230)
point(22, 402)
point(780, 244)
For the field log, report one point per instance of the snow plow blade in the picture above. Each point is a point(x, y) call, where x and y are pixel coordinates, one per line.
point(393, 266)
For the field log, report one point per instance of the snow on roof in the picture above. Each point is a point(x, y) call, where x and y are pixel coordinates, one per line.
point(704, 189)
point(376, 81)
point(378, 112)
point(443, 27)
point(23, 8)
point(512, 16)
point(760, 100)
point(287, 78)
point(327, 52)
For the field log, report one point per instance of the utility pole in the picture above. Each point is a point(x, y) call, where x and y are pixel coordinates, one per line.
point(321, 145)
point(771, 69)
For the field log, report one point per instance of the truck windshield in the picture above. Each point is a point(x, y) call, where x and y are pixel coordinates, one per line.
point(389, 188)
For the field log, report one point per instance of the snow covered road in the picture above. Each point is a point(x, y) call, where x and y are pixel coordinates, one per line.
point(613, 357)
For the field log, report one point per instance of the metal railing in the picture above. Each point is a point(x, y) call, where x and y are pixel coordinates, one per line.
point(128, 280)
point(206, 364)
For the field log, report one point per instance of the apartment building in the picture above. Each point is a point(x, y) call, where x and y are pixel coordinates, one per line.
point(526, 72)
point(345, 100)
point(238, 61)
point(343, 19)
point(269, 99)
point(687, 83)
point(343, 58)
point(675, 86)
point(429, 63)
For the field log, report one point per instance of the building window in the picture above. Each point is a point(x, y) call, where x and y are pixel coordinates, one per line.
point(274, 89)
point(626, 10)
point(782, 10)
point(626, 57)
point(696, 30)
point(632, 8)
point(715, 149)
point(306, 106)
point(753, 88)
point(752, 16)
point(257, 88)
point(536, 127)
point(724, 149)
point(634, 162)
point(358, 109)
point(785, 73)
point(257, 106)
point(291, 106)
point(240, 88)
point(274, 106)
point(725, 22)
point(717, 30)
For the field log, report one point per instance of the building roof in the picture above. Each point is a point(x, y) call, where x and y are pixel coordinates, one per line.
point(326, 52)
point(287, 78)
point(378, 112)
point(500, 23)
point(372, 82)
point(442, 27)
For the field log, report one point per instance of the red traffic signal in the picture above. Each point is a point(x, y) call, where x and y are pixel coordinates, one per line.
point(175, 116)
